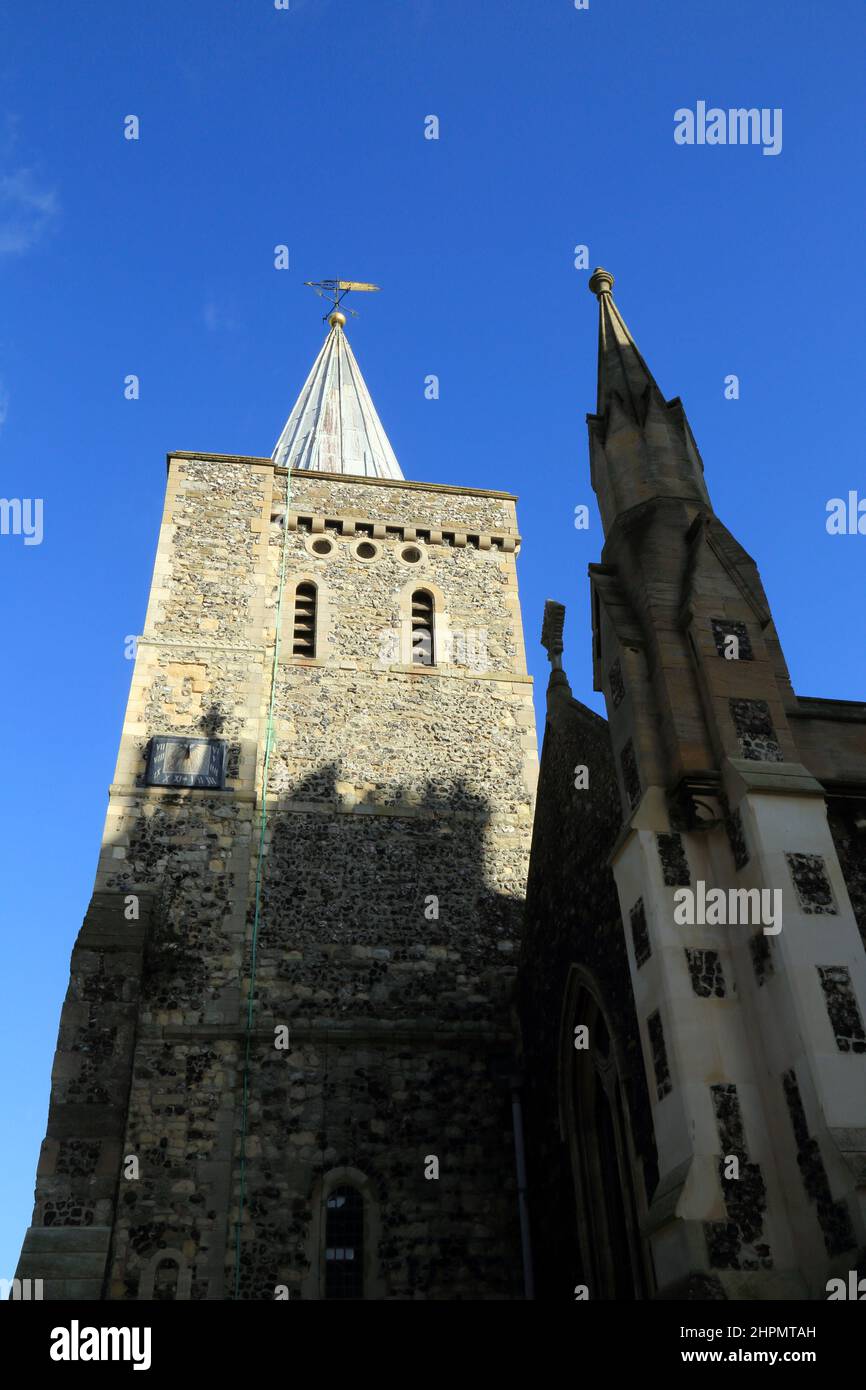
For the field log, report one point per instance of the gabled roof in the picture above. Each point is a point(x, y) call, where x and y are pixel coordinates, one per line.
point(333, 427)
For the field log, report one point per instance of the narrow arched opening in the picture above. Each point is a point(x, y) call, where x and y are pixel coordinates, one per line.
point(344, 1243)
point(304, 626)
point(611, 1246)
point(423, 620)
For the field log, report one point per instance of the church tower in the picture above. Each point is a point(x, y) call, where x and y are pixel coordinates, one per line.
point(693, 907)
point(285, 1061)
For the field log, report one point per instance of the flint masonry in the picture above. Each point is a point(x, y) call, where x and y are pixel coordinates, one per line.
point(314, 1045)
point(285, 1059)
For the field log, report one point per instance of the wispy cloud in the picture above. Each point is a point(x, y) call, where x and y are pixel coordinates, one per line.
point(216, 318)
point(27, 209)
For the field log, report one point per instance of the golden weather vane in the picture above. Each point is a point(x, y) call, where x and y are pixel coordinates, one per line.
point(336, 291)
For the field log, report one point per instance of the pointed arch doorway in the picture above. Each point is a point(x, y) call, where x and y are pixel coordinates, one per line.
point(596, 1125)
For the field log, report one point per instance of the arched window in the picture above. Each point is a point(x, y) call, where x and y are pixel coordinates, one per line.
point(304, 629)
point(165, 1280)
point(344, 1244)
point(422, 629)
point(166, 1277)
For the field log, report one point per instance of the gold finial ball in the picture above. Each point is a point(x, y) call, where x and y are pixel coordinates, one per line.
point(336, 319)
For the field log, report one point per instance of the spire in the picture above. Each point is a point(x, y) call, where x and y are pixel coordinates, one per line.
point(621, 369)
point(641, 445)
point(333, 427)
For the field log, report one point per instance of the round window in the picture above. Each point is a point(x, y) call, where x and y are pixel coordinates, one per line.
point(322, 546)
point(411, 555)
point(366, 550)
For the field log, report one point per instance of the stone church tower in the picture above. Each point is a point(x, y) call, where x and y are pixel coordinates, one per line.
point(693, 980)
point(285, 1061)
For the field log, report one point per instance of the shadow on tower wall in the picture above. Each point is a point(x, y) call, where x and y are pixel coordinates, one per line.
point(386, 945)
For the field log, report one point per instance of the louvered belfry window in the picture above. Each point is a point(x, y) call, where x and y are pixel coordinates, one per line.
point(422, 628)
point(304, 631)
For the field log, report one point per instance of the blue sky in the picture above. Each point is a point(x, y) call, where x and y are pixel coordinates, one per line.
point(306, 127)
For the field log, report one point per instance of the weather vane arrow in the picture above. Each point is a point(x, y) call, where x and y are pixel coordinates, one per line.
point(336, 291)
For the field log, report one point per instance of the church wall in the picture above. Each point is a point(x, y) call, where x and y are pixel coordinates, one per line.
point(390, 786)
point(394, 877)
point(740, 1055)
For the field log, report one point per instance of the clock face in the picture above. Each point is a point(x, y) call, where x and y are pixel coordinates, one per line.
point(186, 762)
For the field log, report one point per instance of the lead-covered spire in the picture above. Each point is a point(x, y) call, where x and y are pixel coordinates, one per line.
point(641, 446)
point(333, 427)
